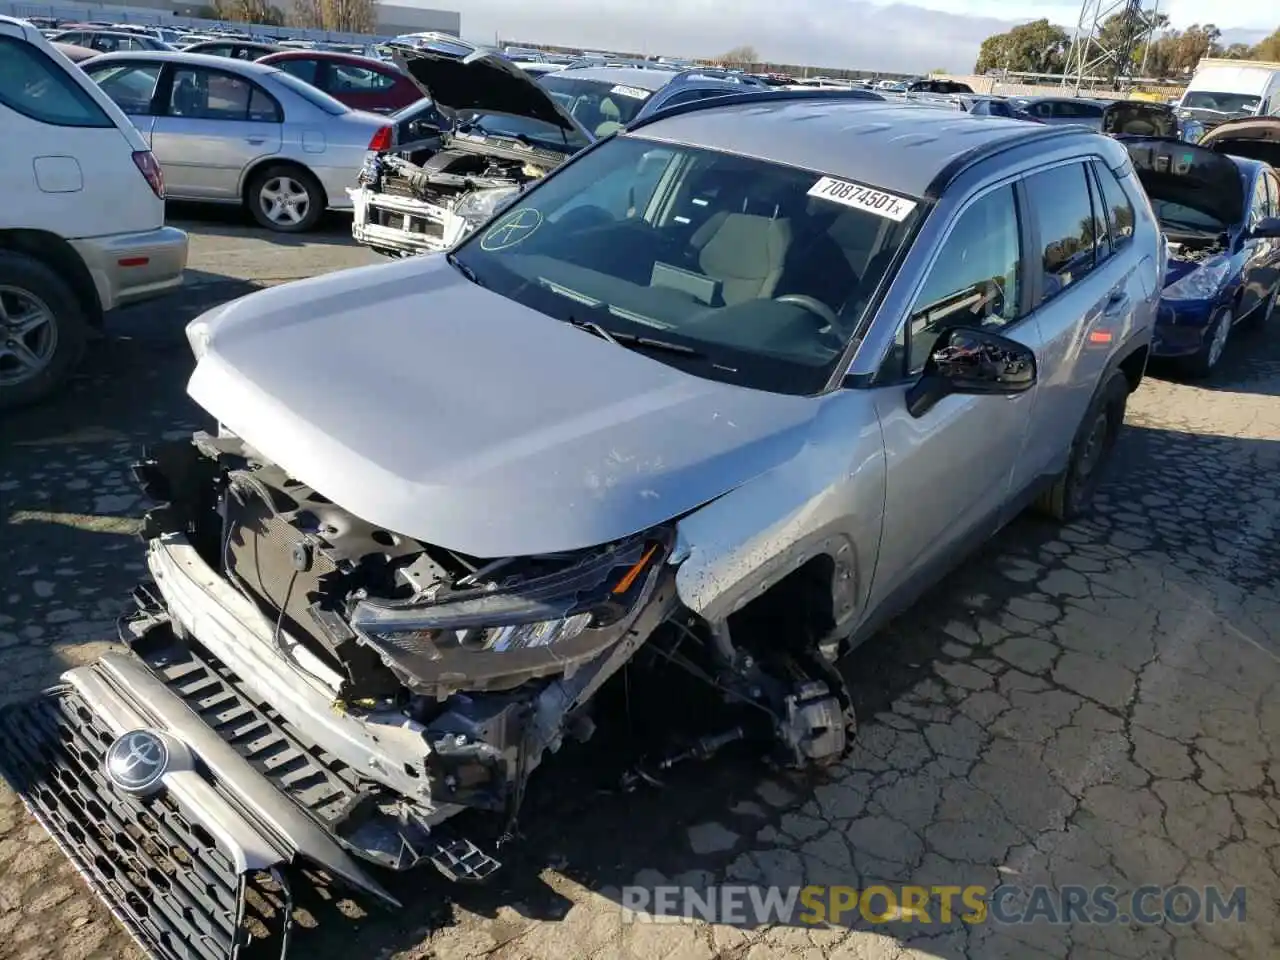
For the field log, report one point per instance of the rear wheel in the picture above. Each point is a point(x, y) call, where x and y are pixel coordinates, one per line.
point(1072, 491)
point(285, 198)
point(42, 330)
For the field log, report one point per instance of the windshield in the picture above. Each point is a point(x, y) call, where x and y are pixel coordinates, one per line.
point(741, 270)
point(1181, 218)
point(535, 133)
point(1221, 102)
point(600, 106)
point(317, 98)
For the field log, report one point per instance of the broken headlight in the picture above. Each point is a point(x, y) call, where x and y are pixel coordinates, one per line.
point(477, 207)
point(522, 612)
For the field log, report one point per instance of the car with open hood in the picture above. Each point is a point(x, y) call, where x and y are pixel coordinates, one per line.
point(1218, 203)
point(707, 405)
point(1112, 117)
point(505, 129)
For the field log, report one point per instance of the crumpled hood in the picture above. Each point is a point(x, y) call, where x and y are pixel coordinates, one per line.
point(483, 83)
point(1188, 174)
point(439, 410)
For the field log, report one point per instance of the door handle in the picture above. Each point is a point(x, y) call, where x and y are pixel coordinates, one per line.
point(255, 140)
point(1117, 303)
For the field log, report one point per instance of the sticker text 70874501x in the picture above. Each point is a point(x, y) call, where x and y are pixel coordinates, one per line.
point(887, 205)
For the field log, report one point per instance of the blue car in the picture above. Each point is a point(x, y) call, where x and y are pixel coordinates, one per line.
point(1218, 203)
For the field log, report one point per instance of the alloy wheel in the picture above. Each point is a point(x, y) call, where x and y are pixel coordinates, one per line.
point(1221, 333)
point(284, 201)
point(28, 336)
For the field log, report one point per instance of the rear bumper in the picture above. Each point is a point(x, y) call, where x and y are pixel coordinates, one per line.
point(130, 267)
point(402, 224)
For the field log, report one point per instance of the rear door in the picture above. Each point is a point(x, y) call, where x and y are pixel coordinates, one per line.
point(210, 125)
point(1085, 296)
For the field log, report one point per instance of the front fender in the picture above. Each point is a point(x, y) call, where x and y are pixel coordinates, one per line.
point(827, 500)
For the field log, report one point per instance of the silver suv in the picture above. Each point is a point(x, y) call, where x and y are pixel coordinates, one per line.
point(718, 396)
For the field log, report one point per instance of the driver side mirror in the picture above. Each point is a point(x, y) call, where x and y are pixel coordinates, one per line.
point(1268, 228)
point(969, 361)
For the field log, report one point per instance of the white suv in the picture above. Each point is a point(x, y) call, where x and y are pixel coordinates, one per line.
point(82, 227)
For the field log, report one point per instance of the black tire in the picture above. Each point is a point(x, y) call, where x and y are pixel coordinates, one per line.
point(24, 279)
point(1072, 491)
point(309, 208)
point(1206, 359)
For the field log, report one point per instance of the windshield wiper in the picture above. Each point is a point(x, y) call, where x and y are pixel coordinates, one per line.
point(592, 327)
point(631, 341)
point(453, 261)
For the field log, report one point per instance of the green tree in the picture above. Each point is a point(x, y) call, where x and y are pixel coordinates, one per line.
point(1238, 51)
point(1267, 49)
point(1036, 47)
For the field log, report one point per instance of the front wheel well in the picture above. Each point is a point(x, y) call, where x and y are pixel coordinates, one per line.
point(258, 166)
point(800, 607)
point(61, 257)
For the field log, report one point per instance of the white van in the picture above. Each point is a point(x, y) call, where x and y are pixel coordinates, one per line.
point(1226, 89)
point(82, 225)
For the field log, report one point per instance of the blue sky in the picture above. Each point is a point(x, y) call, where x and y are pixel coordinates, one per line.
point(917, 36)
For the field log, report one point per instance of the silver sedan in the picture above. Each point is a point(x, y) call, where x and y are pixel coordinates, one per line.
point(227, 131)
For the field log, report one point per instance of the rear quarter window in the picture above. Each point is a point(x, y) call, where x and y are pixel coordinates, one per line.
point(35, 86)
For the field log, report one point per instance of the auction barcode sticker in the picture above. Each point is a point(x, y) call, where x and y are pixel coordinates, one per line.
point(882, 204)
point(636, 93)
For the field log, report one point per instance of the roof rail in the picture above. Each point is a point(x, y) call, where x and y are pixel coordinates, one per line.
point(754, 95)
point(1035, 133)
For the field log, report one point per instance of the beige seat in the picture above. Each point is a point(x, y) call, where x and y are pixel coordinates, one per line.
point(611, 118)
point(745, 252)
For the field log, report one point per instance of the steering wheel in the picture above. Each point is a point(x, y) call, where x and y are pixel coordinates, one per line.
point(813, 305)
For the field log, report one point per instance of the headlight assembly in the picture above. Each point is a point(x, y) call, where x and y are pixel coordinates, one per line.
point(1202, 283)
point(537, 614)
point(477, 207)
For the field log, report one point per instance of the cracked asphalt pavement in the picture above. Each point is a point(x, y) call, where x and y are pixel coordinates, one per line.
point(1090, 705)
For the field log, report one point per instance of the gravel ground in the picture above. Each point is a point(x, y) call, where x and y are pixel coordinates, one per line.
point(1089, 705)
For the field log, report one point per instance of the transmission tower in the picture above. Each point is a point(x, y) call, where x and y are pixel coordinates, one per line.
point(1093, 57)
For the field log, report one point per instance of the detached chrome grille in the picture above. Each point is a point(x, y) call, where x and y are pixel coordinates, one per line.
point(166, 879)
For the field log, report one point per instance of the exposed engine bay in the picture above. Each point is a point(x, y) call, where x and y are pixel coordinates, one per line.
point(1196, 249)
point(403, 207)
point(432, 681)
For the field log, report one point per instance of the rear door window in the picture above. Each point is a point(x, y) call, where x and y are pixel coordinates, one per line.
point(308, 71)
point(1119, 211)
point(36, 87)
point(1061, 210)
point(131, 85)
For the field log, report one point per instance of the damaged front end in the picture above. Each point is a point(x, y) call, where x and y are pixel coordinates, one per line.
point(401, 208)
point(505, 131)
point(304, 688)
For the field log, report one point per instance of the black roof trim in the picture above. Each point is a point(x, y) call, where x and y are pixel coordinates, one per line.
point(1035, 133)
point(756, 95)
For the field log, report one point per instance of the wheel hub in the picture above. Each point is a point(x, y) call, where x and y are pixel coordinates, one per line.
point(30, 336)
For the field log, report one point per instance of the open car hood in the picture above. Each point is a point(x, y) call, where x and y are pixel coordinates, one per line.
point(484, 83)
point(1232, 136)
point(1188, 174)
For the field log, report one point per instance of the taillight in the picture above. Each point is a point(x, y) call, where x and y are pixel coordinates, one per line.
point(150, 169)
point(381, 140)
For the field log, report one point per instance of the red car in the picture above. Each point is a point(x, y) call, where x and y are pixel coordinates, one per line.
point(362, 83)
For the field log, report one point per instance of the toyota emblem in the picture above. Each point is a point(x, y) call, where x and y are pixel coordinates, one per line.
point(136, 761)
